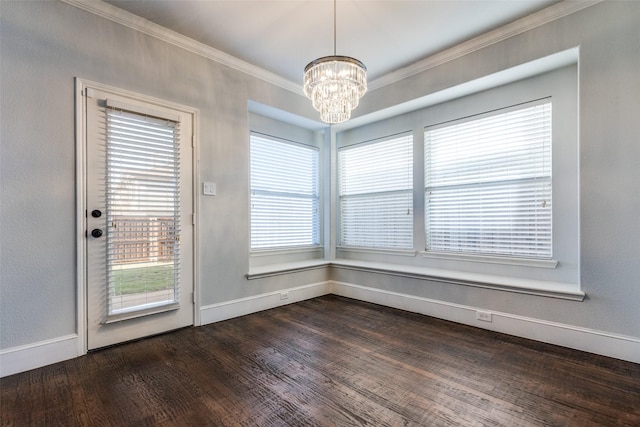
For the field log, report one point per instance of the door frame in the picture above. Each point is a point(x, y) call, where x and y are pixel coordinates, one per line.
point(81, 140)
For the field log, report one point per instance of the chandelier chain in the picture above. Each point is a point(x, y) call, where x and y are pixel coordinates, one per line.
point(335, 31)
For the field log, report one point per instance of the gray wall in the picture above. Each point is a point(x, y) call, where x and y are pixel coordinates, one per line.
point(608, 35)
point(44, 45)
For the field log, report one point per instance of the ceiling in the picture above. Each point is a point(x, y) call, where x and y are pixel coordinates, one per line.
point(283, 36)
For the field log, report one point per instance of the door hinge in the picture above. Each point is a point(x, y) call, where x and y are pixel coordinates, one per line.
point(193, 140)
point(193, 219)
point(193, 297)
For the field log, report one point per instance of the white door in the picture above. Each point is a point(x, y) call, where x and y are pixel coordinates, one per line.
point(139, 207)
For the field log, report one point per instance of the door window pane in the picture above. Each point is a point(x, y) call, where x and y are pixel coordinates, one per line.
point(143, 211)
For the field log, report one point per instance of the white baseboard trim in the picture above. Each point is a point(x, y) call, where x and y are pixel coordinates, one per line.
point(26, 357)
point(31, 356)
point(590, 340)
point(240, 307)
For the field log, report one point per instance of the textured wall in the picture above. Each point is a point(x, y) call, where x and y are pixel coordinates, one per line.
point(44, 46)
point(608, 35)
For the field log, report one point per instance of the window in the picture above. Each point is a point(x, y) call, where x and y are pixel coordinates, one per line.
point(284, 194)
point(143, 210)
point(376, 194)
point(496, 186)
point(488, 184)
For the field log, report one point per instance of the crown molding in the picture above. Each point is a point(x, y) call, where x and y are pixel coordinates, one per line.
point(135, 22)
point(522, 25)
point(544, 16)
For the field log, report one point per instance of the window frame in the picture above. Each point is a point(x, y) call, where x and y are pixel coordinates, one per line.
point(563, 271)
point(314, 198)
point(291, 133)
point(538, 180)
point(402, 138)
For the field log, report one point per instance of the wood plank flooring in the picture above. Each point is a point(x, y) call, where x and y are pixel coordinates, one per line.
point(329, 361)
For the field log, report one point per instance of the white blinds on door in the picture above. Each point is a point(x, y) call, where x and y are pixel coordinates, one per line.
point(488, 184)
point(143, 215)
point(376, 194)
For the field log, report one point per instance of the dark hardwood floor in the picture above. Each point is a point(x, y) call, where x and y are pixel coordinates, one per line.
point(329, 361)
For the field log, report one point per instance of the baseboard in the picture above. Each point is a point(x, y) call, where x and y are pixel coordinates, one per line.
point(243, 306)
point(31, 356)
point(590, 340)
point(24, 358)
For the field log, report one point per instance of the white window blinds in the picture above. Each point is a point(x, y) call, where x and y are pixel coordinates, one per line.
point(284, 194)
point(376, 194)
point(143, 215)
point(488, 184)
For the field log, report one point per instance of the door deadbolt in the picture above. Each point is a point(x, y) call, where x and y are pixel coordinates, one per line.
point(96, 232)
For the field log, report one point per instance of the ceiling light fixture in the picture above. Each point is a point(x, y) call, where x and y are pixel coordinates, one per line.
point(335, 83)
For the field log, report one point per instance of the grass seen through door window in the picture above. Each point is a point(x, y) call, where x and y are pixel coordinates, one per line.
point(146, 278)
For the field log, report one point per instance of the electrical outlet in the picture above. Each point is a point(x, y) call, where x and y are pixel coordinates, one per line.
point(284, 295)
point(485, 316)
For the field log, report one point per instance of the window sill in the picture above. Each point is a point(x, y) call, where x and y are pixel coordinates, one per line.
point(559, 290)
point(511, 284)
point(285, 268)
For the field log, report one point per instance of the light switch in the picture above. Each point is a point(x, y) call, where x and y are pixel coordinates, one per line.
point(209, 188)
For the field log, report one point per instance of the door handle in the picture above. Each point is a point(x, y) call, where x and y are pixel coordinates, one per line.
point(96, 232)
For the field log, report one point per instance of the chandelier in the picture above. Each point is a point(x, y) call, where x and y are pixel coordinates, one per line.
point(335, 83)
